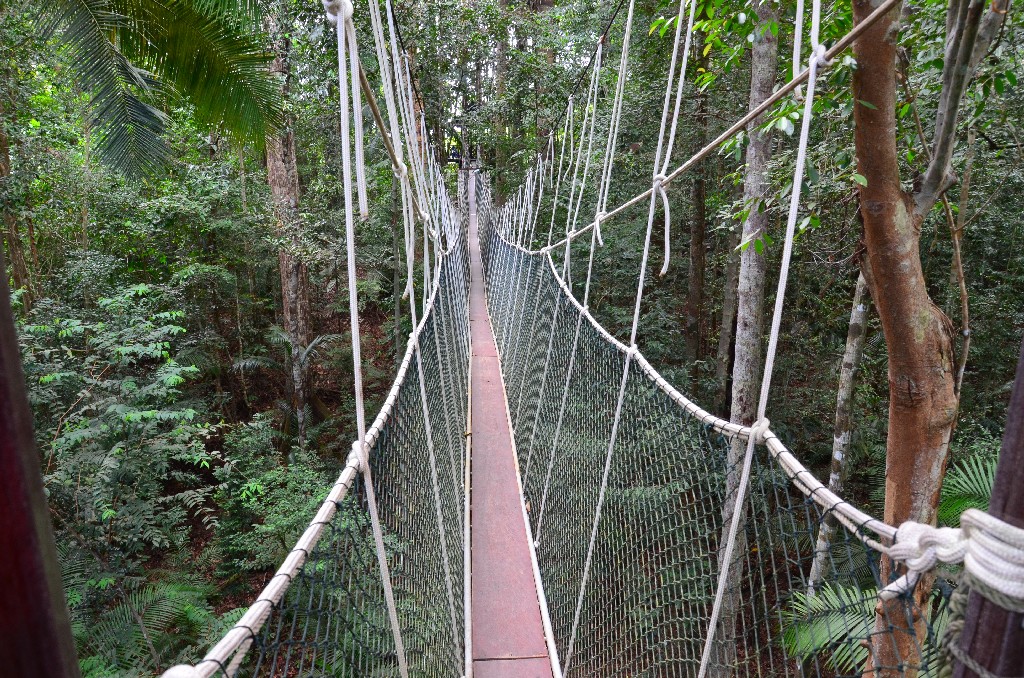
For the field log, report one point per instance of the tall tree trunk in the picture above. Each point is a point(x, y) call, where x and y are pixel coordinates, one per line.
point(746, 371)
point(918, 335)
point(843, 431)
point(12, 234)
point(727, 330)
point(283, 177)
point(500, 78)
point(478, 86)
point(698, 226)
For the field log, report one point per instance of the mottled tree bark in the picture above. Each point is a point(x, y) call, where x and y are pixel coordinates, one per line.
point(12, 233)
point(283, 177)
point(727, 330)
point(500, 84)
point(843, 431)
point(918, 335)
point(34, 622)
point(746, 373)
point(698, 226)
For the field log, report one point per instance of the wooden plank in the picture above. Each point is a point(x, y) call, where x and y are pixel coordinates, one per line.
point(506, 621)
point(524, 667)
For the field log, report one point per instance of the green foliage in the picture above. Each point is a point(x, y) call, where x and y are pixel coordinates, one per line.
point(831, 621)
point(264, 506)
point(112, 420)
point(131, 54)
point(968, 484)
point(162, 458)
point(832, 624)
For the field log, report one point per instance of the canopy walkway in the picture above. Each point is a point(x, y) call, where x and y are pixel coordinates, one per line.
point(534, 499)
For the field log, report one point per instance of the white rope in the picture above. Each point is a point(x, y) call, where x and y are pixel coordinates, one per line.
point(589, 117)
point(660, 179)
point(566, 138)
point(357, 117)
point(342, 15)
point(991, 550)
point(613, 131)
point(760, 428)
point(798, 31)
point(595, 82)
point(585, 576)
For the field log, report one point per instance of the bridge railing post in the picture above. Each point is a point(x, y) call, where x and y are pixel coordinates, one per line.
point(35, 632)
point(992, 636)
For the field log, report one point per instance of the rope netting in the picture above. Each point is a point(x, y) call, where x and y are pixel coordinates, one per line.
point(671, 490)
point(669, 542)
point(672, 542)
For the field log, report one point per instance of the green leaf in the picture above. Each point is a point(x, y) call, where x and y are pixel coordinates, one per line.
point(131, 55)
point(860, 179)
point(867, 104)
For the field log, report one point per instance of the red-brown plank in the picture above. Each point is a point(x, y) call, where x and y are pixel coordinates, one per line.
point(537, 667)
point(508, 634)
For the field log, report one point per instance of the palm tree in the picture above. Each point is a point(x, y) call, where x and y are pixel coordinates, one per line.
point(134, 55)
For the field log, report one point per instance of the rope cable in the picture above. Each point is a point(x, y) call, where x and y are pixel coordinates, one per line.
point(341, 14)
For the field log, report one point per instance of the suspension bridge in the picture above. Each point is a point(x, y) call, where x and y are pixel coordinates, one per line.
point(534, 499)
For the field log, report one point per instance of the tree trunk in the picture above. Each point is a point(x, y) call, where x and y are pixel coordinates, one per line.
point(746, 371)
point(843, 431)
point(34, 623)
point(500, 78)
point(12, 234)
point(698, 226)
point(283, 177)
point(723, 362)
point(918, 335)
point(397, 270)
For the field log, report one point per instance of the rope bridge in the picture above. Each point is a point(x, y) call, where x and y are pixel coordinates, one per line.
point(666, 541)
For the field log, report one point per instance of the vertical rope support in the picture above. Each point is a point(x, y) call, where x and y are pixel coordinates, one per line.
point(632, 348)
point(341, 17)
point(760, 427)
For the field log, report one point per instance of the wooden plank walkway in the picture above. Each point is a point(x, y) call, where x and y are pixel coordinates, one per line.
point(508, 631)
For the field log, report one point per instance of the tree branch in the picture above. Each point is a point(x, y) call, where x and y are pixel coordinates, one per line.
point(967, 42)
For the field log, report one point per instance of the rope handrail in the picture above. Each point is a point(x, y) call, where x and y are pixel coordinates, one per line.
point(741, 124)
point(858, 521)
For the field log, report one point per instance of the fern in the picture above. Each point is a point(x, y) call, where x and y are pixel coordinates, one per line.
point(968, 484)
point(831, 621)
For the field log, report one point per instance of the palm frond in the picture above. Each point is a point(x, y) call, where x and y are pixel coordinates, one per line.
point(129, 53)
point(968, 484)
point(247, 11)
point(214, 57)
point(311, 351)
point(253, 363)
point(832, 621)
point(127, 126)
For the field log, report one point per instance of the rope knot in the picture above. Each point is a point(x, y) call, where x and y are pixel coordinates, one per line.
point(759, 429)
point(818, 54)
point(400, 171)
point(336, 8)
point(659, 181)
point(359, 455)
